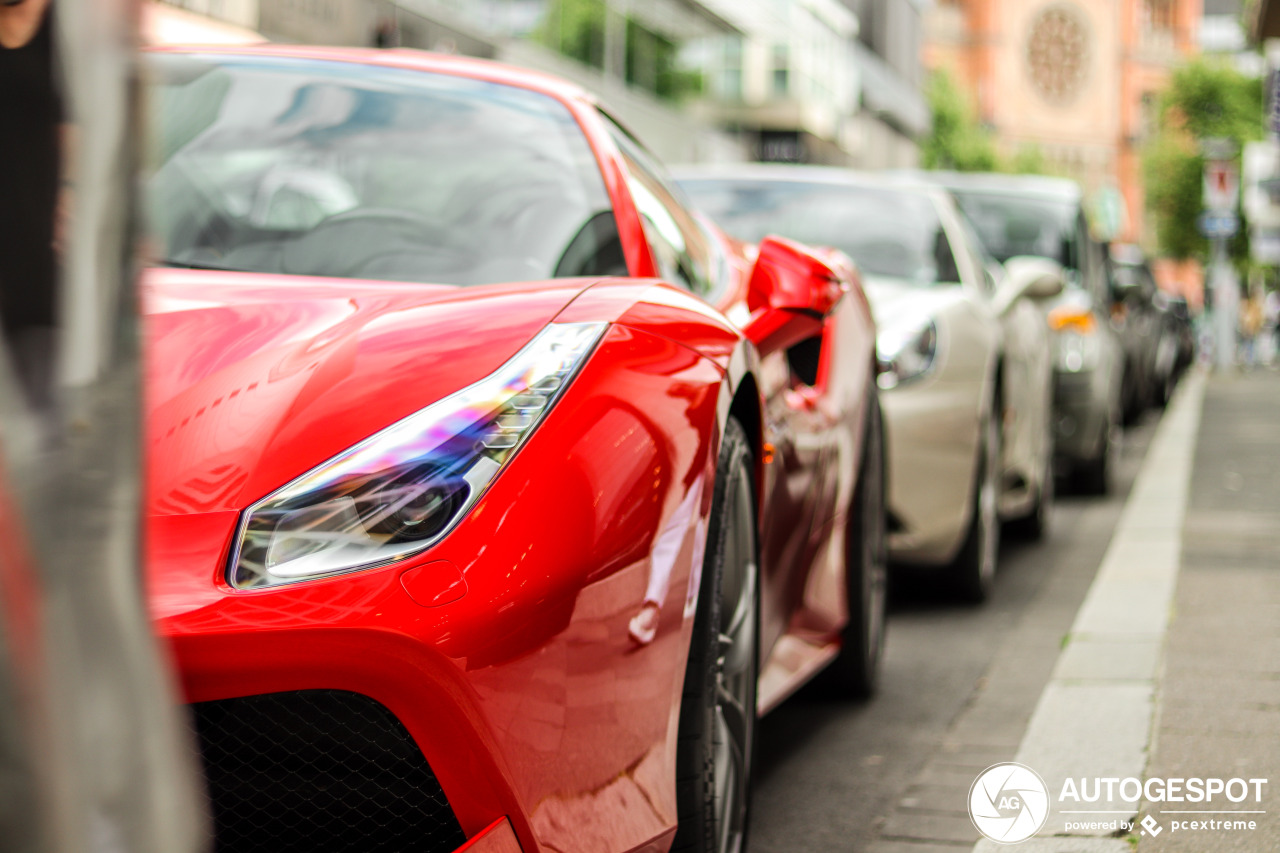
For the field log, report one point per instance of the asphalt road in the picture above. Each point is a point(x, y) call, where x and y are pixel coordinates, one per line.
point(958, 686)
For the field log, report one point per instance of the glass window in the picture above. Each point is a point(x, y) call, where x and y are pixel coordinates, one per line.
point(781, 70)
point(685, 254)
point(890, 232)
point(1011, 225)
point(307, 167)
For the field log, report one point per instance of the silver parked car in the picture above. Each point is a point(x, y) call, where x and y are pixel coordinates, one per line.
point(1022, 215)
point(964, 356)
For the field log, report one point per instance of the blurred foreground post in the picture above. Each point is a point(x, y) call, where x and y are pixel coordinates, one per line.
point(1219, 222)
point(93, 748)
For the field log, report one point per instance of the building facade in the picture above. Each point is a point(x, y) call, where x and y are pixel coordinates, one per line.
point(821, 81)
point(834, 82)
point(1077, 79)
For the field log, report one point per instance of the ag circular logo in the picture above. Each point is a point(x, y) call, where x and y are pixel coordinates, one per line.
point(1008, 802)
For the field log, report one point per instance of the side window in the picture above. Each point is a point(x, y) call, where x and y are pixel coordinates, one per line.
point(944, 258)
point(1096, 271)
point(982, 260)
point(683, 251)
point(1075, 250)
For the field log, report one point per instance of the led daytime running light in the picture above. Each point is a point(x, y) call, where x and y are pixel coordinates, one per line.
point(399, 491)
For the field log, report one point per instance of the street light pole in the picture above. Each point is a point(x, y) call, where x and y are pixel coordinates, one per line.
point(1226, 297)
point(1218, 223)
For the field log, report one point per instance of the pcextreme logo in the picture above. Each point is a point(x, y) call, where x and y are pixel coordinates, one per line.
point(1008, 802)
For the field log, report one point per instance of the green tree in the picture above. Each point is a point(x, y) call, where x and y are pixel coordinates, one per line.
point(576, 28)
point(1206, 99)
point(956, 141)
point(1029, 161)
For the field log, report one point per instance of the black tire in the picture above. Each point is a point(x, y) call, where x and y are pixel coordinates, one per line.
point(856, 670)
point(1093, 476)
point(1034, 526)
point(718, 706)
point(974, 569)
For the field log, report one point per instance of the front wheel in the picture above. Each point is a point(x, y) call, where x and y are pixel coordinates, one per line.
point(856, 670)
point(1034, 525)
point(1094, 475)
point(718, 707)
point(974, 570)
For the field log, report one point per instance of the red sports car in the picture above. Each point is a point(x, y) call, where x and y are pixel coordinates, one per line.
point(492, 492)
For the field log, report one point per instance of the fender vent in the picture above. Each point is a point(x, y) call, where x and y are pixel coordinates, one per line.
point(319, 771)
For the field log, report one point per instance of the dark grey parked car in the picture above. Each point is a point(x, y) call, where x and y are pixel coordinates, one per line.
point(1138, 323)
point(1022, 215)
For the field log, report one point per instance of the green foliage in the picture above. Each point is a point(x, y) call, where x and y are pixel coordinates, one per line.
point(1208, 99)
point(651, 65)
point(1029, 161)
point(1205, 100)
point(956, 141)
point(576, 29)
point(1173, 175)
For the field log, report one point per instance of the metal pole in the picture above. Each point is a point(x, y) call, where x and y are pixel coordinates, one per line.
point(1225, 304)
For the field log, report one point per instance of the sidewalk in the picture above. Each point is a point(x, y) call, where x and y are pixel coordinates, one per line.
point(1218, 705)
point(1172, 666)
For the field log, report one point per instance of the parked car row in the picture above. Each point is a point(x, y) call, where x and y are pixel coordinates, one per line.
point(496, 487)
point(963, 351)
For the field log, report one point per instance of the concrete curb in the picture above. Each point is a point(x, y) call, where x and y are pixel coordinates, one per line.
point(1094, 718)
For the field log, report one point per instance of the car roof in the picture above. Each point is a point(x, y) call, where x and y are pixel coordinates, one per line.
point(1041, 186)
point(797, 173)
point(406, 58)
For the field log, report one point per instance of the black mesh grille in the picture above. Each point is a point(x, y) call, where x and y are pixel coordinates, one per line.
point(319, 771)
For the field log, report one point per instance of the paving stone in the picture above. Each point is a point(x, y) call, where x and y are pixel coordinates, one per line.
point(886, 846)
point(917, 826)
point(1101, 660)
point(936, 798)
point(1058, 845)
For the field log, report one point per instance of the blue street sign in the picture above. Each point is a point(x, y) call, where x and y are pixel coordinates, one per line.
point(1214, 224)
point(1273, 100)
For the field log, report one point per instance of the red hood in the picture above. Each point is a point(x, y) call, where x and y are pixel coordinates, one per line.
point(254, 379)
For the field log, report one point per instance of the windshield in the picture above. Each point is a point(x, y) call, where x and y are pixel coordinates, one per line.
point(1010, 225)
point(306, 167)
point(894, 233)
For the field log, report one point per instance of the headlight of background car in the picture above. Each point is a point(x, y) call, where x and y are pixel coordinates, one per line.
point(399, 491)
point(1076, 342)
point(905, 353)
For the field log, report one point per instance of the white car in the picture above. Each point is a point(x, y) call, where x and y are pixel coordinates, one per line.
point(965, 368)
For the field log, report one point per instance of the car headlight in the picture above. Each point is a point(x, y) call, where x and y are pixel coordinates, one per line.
point(399, 491)
point(905, 353)
point(1075, 352)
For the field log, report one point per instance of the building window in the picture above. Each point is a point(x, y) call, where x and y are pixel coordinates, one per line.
point(1148, 115)
point(1158, 15)
point(731, 70)
point(781, 71)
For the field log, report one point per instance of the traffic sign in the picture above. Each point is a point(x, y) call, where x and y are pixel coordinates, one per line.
point(1221, 185)
point(1213, 224)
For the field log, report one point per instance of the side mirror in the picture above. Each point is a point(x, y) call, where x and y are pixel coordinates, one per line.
point(1034, 278)
point(791, 291)
point(1122, 289)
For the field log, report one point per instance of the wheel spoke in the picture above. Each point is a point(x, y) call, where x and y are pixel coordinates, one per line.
point(730, 787)
point(737, 641)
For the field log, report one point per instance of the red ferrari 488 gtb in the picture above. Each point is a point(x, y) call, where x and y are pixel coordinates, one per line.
point(493, 493)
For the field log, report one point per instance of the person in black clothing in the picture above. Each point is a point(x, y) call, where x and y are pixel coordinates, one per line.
point(31, 119)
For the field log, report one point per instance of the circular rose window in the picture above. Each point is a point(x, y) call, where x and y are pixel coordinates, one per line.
point(1058, 52)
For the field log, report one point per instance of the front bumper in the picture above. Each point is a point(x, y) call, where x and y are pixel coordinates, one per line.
point(503, 650)
point(1081, 414)
point(931, 433)
point(314, 770)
